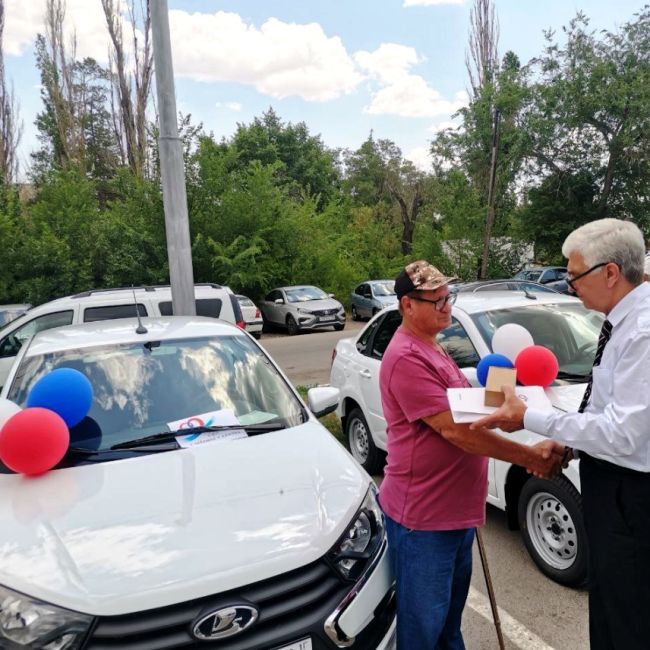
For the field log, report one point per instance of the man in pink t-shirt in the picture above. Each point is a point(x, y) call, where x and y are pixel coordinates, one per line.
point(435, 481)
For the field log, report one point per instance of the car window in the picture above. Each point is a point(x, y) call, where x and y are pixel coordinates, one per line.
point(246, 302)
point(359, 290)
point(384, 289)
point(204, 307)
point(384, 333)
point(274, 295)
point(140, 388)
point(304, 294)
point(10, 313)
point(458, 345)
point(366, 335)
point(11, 344)
point(367, 291)
point(112, 312)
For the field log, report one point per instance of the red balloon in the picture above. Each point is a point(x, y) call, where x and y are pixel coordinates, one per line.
point(536, 366)
point(33, 441)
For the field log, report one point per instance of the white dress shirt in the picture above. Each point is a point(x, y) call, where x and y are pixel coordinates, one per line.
point(616, 423)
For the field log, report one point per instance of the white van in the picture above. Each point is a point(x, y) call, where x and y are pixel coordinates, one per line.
point(253, 529)
point(108, 304)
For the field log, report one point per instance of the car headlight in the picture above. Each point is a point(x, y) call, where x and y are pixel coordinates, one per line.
point(361, 541)
point(29, 623)
point(301, 310)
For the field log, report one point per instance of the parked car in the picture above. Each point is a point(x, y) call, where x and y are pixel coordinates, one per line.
point(262, 532)
point(252, 316)
point(372, 296)
point(542, 274)
point(547, 512)
point(109, 304)
point(300, 308)
point(11, 312)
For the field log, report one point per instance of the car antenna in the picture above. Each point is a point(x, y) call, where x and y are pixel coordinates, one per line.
point(140, 329)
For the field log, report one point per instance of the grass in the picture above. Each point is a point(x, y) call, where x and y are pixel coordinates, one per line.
point(331, 422)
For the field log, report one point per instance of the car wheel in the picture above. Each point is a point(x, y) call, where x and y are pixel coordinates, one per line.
point(361, 444)
point(339, 326)
point(550, 518)
point(267, 325)
point(256, 335)
point(355, 316)
point(292, 326)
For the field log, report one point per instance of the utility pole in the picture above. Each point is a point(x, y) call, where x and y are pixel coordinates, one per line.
point(490, 214)
point(177, 228)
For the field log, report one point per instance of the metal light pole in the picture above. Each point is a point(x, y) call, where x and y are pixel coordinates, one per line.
point(179, 250)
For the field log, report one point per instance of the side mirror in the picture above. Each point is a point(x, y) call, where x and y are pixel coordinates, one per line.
point(323, 400)
point(471, 376)
point(331, 295)
point(279, 301)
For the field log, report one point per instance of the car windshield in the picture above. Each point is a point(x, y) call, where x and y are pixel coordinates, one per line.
point(245, 302)
point(303, 294)
point(384, 288)
point(569, 330)
point(142, 389)
point(9, 314)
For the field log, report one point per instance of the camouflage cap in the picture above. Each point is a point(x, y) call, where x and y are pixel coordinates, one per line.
point(420, 276)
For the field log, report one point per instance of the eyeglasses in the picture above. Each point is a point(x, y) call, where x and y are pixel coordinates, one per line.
point(570, 280)
point(440, 303)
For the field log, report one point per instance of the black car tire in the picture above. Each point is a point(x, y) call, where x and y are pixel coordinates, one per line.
point(361, 444)
point(292, 326)
point(339, 326)
point(551, 523)
point(256, 335)
point(355, 315)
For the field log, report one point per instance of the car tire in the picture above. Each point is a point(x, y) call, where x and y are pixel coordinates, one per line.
point(292, 326)
point(339, 326)
point(267, 325)
point(355, 315)
point(551, 523)
point(361, 444)
point(256, 335)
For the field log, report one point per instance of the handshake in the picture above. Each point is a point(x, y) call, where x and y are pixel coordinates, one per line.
point(548, 458)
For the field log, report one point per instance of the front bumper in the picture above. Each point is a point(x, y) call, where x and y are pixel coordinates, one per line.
point(307, 322)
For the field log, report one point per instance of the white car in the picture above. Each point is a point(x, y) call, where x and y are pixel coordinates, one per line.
point(110, 304)
point(256, 531)
point(252, 316)
point(549, 513)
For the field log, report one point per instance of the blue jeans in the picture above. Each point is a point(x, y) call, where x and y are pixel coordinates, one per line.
point(432, 573)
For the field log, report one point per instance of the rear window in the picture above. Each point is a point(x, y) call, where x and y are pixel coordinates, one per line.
point(112, 312)
point(204, 307)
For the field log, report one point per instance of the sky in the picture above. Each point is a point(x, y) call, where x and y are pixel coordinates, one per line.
point(344, 67)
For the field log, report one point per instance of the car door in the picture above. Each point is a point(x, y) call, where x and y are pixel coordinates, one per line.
point(270, 309)
point(13, 340)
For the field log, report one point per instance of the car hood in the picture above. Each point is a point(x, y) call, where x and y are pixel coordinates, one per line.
point(314, 305)
point(150, 531)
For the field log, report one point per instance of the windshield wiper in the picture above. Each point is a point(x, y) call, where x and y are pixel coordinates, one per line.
point(572, 376)
point(168, 436)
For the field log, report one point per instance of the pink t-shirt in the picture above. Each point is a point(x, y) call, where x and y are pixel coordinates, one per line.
point(429, 483)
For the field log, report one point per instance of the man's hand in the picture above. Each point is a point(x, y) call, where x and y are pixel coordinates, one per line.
point(548, 459)
point(509, 416)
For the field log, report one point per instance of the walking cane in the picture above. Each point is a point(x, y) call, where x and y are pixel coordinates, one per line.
point(490, 588)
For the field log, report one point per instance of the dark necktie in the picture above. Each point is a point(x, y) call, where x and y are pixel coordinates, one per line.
point(605, 333)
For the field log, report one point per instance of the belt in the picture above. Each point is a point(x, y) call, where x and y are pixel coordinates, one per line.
point(611, 467)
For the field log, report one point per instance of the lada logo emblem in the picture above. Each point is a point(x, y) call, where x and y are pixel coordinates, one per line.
point(224, 622)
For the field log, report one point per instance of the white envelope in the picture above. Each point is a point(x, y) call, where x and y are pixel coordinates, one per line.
point(468, 404)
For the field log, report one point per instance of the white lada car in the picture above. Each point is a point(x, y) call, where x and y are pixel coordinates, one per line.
point(549, 513)
point(253, 530)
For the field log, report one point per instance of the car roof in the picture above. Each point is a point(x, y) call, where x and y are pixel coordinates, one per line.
point(16, 306)
point(123, 330)
point(491, 300)
point(298, 286)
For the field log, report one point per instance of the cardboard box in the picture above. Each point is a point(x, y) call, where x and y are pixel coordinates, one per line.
point(498, 377)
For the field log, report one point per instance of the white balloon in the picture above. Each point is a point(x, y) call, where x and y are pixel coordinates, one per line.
point(7, 409)
point(510, 339)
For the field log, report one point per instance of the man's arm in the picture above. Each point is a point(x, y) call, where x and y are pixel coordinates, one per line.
point(542, 460)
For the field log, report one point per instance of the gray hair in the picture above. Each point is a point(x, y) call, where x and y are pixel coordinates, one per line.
point(609, 240)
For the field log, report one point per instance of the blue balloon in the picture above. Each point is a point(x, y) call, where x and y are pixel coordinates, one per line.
point(491, 360)
point(65, 391)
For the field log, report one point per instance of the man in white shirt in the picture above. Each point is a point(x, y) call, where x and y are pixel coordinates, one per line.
point(611, 431)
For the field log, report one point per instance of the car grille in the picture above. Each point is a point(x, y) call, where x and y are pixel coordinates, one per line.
point(325, 312)
point(291, 606)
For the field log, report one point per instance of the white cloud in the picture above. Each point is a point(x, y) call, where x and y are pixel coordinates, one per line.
point(84, 19)
point(400, 92)
point(421, 158)
point(430, 3)
point(232, 106)
point(279, 59)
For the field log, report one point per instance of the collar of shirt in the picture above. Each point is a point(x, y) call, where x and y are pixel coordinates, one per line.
point(625, 305)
